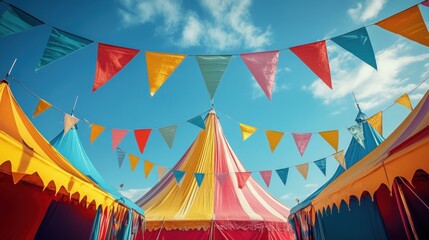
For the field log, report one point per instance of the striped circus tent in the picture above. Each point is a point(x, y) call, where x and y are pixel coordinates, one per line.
point(219, 208)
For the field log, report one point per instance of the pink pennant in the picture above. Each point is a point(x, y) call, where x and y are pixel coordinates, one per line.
point(266, 176)
point(315, 56)
point(263, 66)
point(301, 141)
point(242, 178)
point(117, 136)
point(425, 3)
point(221, 178)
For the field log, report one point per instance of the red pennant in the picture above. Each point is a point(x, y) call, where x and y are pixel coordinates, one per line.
point(221, 178)
point(142, 135)
point(117, 136)
point(242, 178)
point(315, 56)
point(110, 60)
point(266, 176)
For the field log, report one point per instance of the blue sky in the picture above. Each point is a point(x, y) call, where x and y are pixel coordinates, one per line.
point(300, 103)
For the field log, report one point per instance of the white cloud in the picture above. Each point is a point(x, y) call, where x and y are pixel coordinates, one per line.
point(367, 10)
point(192, 31)
point(311, 185)
point(286, 196)
point(134, 194)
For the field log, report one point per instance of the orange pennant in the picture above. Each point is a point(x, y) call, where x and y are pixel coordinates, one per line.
point(273, 138)
point(376, 121)
point(339, 156)
point(41, 107)
point(246, 131)
point(133, 161)
point(405, 101)
point(147, 167)
point(331, 137)
point(303, 169)
point(96, 130)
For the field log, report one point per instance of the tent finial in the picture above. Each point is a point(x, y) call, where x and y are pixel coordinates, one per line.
point(74, 106)
point(357, 104)
point(10, 69)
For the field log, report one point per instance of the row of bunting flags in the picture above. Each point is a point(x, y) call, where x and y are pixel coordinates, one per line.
point(263, 65)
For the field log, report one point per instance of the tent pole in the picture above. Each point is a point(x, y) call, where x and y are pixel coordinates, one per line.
point(407, 211)
point(10, 69)
point(401, 209)
point(211, 230)
point(417, 196)
point(162, 225)
point(74, 106)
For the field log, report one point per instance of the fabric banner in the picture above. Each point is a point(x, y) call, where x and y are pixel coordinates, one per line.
point(161, 172)
point(242, 178)
point(168, 134)
point(358, 43)
point(321, 164)
point(159, 67)
point(339, 156)
point(357, 132)
point(404, 100)
point(301, 141)
point(213, 68)
point(41, 107)
point(110, 60)
point(60, 44)
point(273, 138)
point(283, 174)
point(133, 161)
point(69, 122)
point(246, 131)
point(178, 175)
point(199, 177)
point(263, 66)
point(96, 130)
point(376, 121)
point(315, 56)
point(425, 3)
point(142, 135)
point(266, 176)
point(221, 178)
point(198, 121)
point(147, 167)
point(331, 137)
point(121, 156)
point(14, 20)
point(117, 136)
point(409, 24)
point(303, 169)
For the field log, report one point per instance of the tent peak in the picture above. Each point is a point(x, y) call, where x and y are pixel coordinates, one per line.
point(212, 111)
point(4, 81)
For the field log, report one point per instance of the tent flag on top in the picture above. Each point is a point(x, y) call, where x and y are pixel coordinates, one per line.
point(246, 131)
point(213, 68)
point(117, 136)
point(358, 43)
point(301, 141)
point(221, 178)
point(110, 60)
point(14, 20)
point(147, 167)
point(263, 66)
point(273, 138)
point(41, 107)
point(69, 122)
point(339, 156)
point(266, 176)
point(60, 44)
point(178, 175)
point(321, 164)
point(159, 67)
point(283, 174)
point(133, 161)
point(168, 134)
point(142, 135)
point(303, 169)
point(357, 132)
point(161, 172)
point(315, 56)
point(376, 121)
point(404, 100)
point(96, 130)
point(198, 121)
point(331, 137)
point(121, 156)
point(242, 178)
point(409, 24)
point(199, 177)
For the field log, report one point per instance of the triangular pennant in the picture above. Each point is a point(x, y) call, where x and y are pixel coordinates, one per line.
point(198, 121)
point(41, 107)
point(133, 161)
point(14, 20)
point(376, 121)
point(425, 3)
point(263, 66)
point(315, 56)
point(331, 137)
point(159, 68)
point(357, 132)
point(273, 138)
point(69, 122)
point(303, 169)
point(142, 135)
point(242, 178)
point(404, 100)
point(60, 44)
point(266, 176)
point(409, 24)
point(213, 68)
point(339, 156)
point(121, 156)
point(358, 43)
point(168, 134)
point(283, 174)
point(199, 177)
point(147, 167)
point(110, 60)
point(321, 164)
point(161, 172)
point(246, 131)
point(96, 130)
point(178, 175)
point(117, 136)
point(301, 141)
point(221, 178)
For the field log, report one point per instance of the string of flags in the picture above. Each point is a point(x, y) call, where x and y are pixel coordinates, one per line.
point(262, 65)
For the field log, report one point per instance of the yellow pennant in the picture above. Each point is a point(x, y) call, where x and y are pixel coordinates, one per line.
point(405, 101)
point(133, 161)
point(376, 121)
point(41, 107)
point(159, 68)
point(331, 137)
point(273, 138)
point(246, 131)
point(339, 156)
point(161, 172)
point(303, 169)
point(96, 130)
point(147, 168)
